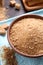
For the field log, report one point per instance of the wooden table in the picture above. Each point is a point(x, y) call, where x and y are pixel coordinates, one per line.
point(11, 10)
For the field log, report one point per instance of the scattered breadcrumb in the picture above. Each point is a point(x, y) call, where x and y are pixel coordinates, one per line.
point(5, 26)
point(9, 56)
point(12, 3)
point(17, 6)
point(2, 31)
point(3, 13)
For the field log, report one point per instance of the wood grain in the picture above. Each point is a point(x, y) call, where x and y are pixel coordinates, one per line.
point(28, 8)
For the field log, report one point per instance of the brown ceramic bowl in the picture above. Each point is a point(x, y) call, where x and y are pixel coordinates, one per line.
point(8, 34)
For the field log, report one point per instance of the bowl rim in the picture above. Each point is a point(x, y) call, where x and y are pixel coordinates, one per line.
point(8, 34)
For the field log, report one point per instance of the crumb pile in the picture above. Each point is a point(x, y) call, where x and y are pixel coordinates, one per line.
point(8, 56)
point(3, 29)
point(3, 12)
point(27, 36)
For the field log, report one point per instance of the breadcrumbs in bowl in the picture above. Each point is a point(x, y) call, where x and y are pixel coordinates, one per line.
point(25, 35)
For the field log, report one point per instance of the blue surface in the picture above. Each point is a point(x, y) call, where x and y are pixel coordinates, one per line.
point(21, 59)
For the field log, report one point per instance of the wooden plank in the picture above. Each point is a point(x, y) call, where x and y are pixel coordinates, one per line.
point(1, 3)
point(30, 8)
point(33, 2)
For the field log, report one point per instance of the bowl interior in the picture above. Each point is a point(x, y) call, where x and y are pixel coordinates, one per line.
point(8, 35)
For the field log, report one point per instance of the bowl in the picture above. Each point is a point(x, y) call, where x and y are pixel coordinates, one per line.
point(8, 34)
